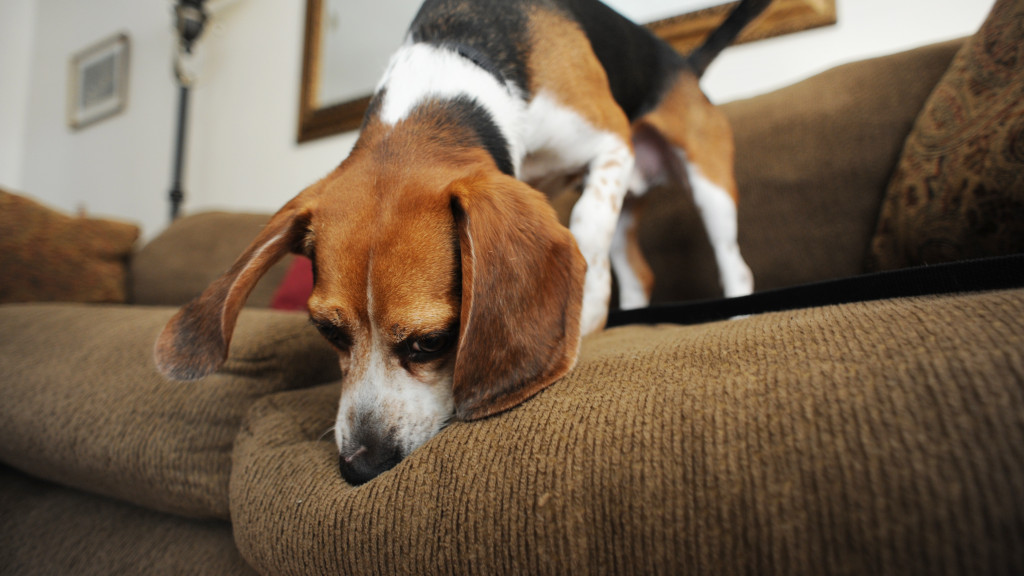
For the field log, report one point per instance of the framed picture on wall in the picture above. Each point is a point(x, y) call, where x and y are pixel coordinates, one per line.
point(98, 81)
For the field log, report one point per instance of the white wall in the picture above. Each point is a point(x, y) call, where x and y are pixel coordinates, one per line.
point(17, 27)
point(116, 167)
point(242, 153)
point(865, 28)
point(243, 150)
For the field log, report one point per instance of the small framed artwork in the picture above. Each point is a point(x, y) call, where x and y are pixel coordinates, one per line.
point(98, 81)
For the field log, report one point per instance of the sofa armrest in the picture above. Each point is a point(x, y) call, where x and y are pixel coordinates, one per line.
point(83, 405)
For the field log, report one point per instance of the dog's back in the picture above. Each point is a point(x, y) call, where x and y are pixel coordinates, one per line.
point(637, 63)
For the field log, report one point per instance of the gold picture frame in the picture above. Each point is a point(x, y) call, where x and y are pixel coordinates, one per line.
point(684, 32)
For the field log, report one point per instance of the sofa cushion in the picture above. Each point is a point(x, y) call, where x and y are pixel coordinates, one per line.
point(195, 250)
point(959, 190)
point(48, 529)
point(812, 163)
point(83, 405)
point(48, 256)
point(871, 438)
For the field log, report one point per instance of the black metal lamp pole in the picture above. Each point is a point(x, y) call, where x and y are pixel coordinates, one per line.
point(190, 17)
point(177, 194)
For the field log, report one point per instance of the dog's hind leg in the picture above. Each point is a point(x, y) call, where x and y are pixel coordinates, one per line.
point(699, 145)
point(718, 211)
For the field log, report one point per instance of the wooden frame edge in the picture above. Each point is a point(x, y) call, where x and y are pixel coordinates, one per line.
point(316, 121)
point(686, 31)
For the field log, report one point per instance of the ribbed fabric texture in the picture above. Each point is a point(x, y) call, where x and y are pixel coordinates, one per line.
point(83, 404)
point(880, 438)
point(49, 530)
point(876, 438)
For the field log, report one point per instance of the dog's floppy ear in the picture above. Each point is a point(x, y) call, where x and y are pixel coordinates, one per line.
point(522, 291)
point(195, 341)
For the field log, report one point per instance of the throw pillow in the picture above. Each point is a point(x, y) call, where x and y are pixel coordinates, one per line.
point(295, 289)
point(958, 190)
point(49, 256)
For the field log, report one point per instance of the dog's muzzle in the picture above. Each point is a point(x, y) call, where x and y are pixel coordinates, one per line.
point(368, 461)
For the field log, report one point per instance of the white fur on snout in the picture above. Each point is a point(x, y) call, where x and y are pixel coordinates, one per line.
point(394, 402)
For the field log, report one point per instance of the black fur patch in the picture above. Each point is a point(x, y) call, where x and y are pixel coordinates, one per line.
point(495, 35)
point(492, 33)
point(639, 65)
point(466, 113)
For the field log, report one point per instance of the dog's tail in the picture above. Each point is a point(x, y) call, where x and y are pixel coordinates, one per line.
point(722, 36)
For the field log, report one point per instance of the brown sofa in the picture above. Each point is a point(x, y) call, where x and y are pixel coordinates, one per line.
point(875, 438)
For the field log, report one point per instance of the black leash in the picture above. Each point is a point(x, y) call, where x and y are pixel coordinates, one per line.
point(995, 273)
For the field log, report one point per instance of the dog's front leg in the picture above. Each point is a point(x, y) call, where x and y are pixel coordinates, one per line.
point(593, 222)
point(632, 273)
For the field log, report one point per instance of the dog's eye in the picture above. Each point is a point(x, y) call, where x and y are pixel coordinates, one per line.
point(429, 345)
point(334, 334)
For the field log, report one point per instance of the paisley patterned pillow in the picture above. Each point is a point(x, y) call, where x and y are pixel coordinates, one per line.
point(958, 190)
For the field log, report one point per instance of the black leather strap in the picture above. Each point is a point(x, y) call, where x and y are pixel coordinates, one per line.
point(967, 276)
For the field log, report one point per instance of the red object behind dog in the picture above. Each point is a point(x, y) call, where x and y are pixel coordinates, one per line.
point(295, 289)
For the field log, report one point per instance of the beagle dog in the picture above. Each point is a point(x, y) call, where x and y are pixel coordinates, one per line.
point(441, 276)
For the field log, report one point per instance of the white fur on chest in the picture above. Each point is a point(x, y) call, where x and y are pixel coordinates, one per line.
point(558, 140)
point(544, 136)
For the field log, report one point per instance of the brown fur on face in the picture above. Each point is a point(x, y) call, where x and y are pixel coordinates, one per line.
point(448, 288)
point(446, 285)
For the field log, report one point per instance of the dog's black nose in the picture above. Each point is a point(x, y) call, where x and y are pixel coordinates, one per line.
point(368, 462)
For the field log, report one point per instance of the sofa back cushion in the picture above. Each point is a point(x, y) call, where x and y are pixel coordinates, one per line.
point(49, 256)
point(959, 189)
point(192, 252)
point(812, 163)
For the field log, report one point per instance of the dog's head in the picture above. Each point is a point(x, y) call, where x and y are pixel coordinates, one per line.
point(444, 297)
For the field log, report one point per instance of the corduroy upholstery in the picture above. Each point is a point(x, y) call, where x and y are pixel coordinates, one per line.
point(880, 438)
point(52, 530)
point(100, 418)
